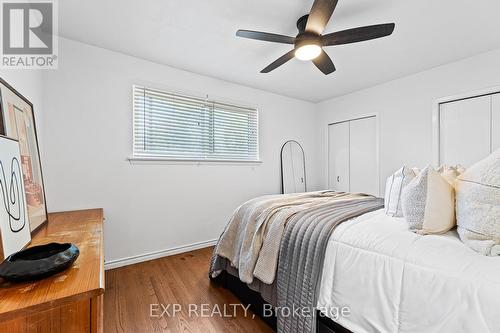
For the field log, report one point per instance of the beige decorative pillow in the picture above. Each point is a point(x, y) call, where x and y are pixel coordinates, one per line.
point(394, 188)
point(478, 205)
point(429, 203)
point(450, 173)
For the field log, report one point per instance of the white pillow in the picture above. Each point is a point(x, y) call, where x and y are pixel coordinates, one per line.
point(394, 188)
point(478, 205)
point(429, 203)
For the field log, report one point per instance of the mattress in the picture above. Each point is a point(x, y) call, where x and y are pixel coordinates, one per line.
point(389, 279)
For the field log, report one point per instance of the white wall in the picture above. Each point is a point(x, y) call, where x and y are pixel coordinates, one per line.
point(88, 137)
point(404, 109)
point(29, 83)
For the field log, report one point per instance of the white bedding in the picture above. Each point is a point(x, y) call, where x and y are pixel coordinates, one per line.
point(396, 281)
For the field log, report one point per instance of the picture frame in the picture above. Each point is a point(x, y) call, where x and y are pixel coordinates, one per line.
point(15, 232)
point(18, 122)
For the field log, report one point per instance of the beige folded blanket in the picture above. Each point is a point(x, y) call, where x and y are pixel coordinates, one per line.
point(251, 241)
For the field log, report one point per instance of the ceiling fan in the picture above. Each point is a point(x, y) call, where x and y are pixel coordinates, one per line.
point(309, 42)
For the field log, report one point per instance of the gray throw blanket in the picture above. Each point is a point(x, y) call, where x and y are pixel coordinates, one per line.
point(287, 234)
point(302, 254)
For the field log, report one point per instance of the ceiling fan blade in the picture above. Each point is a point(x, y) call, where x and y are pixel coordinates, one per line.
point(358, 34)
point(320, 14)
point(279, 62)
point(264, 36)
point(324, 63)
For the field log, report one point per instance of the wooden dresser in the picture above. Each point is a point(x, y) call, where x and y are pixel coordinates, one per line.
point(68, 302)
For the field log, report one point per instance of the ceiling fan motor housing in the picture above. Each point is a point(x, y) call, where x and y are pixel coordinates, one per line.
point(305, 38)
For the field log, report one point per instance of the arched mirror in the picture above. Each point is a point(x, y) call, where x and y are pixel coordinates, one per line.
point(293, 168)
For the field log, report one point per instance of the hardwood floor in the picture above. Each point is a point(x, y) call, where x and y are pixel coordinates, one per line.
point(180, 279)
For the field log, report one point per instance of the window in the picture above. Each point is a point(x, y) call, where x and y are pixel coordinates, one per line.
point(174, 126)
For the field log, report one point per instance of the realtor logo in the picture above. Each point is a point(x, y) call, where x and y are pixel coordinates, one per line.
point(29, 33)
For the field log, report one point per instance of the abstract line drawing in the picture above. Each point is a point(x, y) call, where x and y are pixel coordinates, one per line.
point(15, 231)
point(12, 195)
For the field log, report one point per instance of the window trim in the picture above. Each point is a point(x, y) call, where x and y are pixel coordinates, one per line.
point(141, 160)
point(152, 159)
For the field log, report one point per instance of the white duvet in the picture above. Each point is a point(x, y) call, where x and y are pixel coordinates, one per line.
point(396, 281)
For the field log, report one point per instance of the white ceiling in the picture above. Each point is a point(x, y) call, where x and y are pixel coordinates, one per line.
point(199, 36)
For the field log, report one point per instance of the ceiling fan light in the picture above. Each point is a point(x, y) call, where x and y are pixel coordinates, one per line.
point(308, 52)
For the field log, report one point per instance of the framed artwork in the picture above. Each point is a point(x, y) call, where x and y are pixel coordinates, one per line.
point(15, 231)
point(18, 122)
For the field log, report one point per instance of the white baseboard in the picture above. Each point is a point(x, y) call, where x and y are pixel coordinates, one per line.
point(157, 254)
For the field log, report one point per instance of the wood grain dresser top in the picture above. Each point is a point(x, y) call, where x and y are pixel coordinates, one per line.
point(84, 279)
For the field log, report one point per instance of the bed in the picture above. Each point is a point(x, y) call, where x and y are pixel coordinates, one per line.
point(393, 280)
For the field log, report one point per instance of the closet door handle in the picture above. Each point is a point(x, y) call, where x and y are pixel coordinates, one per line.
point(338, 179)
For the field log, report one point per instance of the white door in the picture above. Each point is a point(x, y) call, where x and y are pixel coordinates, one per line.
point(495, 125)
point(338, 157)
point(363, 156)
point(465, 131)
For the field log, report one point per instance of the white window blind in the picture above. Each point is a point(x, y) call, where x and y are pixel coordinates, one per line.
point(174, 126)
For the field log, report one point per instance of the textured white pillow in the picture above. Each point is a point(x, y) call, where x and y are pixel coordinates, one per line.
point(394, 188)
point(429, 203)
point(478, 205)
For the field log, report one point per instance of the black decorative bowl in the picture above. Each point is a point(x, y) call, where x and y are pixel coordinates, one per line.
point(38, 262)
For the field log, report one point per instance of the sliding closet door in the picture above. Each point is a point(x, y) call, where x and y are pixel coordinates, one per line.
point(363, 156)
point(465, 131)
point(338, 157)
point(495, 122)
point(352, 156)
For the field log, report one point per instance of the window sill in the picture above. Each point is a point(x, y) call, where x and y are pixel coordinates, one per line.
point(164, 160)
